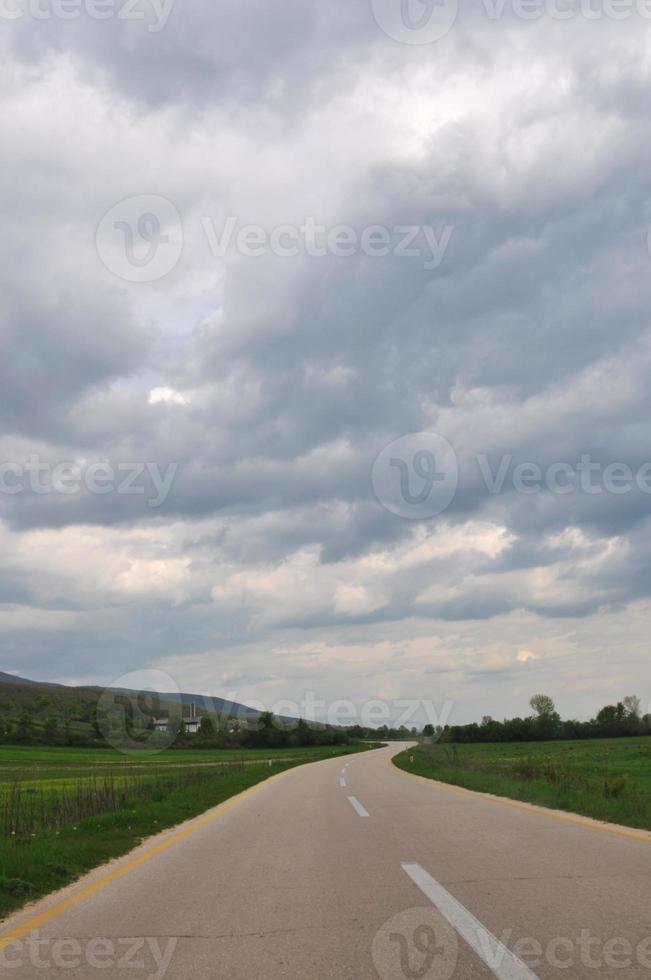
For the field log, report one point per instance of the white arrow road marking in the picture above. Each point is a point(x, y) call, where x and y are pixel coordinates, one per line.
point(504, 964)
point(342, 781)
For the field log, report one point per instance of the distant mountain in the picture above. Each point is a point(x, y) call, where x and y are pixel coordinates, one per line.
point(46, 699)
point(204, 703)
point(15, 679)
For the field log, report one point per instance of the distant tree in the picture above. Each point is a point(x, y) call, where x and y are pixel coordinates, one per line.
point(206, 727)
point(24, 733)
point(175, 725)
point(356, 732)
point(610, 714)
point(51, 733)
point(548, 721)
point(303, 733)
point(632, 706)
point(620, 719)
point(268, 732)
point(543, 705)
point(428, 731)
point(530, 728)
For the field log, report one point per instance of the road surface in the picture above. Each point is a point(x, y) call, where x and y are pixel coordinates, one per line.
point(351, 869)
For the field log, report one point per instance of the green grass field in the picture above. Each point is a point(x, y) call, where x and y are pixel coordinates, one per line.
point(44, 766)
point(609, 779)
point(64, 811)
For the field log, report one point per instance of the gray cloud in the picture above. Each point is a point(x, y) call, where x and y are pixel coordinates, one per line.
point(272, 383)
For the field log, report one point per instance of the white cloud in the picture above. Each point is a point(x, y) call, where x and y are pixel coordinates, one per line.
point(168, 396)
point(524, 656)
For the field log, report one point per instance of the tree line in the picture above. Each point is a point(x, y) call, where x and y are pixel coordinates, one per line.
point(545, 724)
point(267, 731)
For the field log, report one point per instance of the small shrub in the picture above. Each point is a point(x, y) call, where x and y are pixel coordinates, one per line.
point(15, 887)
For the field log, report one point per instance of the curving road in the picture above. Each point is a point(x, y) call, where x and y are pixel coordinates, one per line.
point(362, 872)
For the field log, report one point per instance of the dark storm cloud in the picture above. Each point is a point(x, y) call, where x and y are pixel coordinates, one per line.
point(55, 348)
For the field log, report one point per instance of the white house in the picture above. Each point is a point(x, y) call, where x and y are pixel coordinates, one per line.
point(190, 724)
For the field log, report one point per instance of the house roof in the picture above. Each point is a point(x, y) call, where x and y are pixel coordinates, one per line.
point(186, 721)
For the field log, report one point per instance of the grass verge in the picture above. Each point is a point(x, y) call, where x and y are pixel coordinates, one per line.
point(608, 779)
point(34, 865)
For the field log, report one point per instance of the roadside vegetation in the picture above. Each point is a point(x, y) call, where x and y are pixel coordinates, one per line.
point(64, 811)
point(621, 720)
point(609, 779)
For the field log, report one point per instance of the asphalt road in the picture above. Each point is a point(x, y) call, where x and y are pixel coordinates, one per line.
point(364, 873)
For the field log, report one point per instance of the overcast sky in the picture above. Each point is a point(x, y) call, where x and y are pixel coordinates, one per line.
point(487, 295)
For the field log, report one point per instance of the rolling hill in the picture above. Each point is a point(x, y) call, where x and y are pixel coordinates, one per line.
point(75, 708)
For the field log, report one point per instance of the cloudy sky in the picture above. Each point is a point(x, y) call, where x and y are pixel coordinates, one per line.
point(250, 245)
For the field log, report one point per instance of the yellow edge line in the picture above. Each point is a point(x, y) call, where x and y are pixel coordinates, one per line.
point(575, 820)
point(38, 921)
